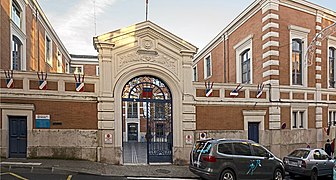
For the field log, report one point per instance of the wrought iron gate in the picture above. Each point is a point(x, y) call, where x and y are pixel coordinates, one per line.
point(155, 99)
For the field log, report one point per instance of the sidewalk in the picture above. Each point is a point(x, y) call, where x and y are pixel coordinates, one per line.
point(88, 167)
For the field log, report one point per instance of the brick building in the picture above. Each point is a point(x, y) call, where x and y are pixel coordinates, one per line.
point(266, 44)
point(139, 90)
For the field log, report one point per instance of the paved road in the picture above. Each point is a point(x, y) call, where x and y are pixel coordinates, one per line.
point(43, 174)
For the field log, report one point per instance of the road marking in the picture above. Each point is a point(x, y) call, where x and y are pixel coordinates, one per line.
point(12, 174)
point(69, 177)
point(20, 163)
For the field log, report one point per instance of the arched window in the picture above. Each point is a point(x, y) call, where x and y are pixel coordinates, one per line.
point(297, 62)
point(16, 53)
point(332, 52)
point(16, 13)
point(245, 66)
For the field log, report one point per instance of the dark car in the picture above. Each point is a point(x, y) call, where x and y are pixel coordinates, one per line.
point(234, 159)
point(309, 162)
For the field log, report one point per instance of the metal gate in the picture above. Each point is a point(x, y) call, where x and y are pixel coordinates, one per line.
point(153, 98)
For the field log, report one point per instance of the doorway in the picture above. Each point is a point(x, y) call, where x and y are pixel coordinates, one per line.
point(17, 136)
point(147, 101)
point(253, 131)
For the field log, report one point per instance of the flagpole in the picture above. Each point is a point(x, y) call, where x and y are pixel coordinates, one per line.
point(146, 10)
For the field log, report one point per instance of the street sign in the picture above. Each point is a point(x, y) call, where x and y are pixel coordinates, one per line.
point(42, 121)
point(203, 135)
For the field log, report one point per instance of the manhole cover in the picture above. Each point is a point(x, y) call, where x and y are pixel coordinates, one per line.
point(163, 171)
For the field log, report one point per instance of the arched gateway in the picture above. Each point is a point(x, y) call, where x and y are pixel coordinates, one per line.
point(146, 97)
point(147, 121)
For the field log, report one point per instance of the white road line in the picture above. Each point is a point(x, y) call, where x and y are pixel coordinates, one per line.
point(20, 163)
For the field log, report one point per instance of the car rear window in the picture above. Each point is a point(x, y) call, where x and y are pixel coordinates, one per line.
point(225, 148)
point(203, 147)
point(299, 153)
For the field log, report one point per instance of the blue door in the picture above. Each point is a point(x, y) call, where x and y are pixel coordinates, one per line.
point(253, 131)
point(17, 137)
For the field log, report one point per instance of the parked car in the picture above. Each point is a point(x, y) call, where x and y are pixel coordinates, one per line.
point(309, 162)
point(234, 159)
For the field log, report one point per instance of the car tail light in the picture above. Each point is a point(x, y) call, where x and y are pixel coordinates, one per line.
point(209, 158)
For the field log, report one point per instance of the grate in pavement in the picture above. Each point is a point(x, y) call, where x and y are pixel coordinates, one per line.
point(163, 171)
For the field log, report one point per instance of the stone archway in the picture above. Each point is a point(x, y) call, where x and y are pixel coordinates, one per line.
point(138, 50)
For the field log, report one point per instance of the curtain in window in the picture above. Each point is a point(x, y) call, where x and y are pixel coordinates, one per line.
point(297, 62)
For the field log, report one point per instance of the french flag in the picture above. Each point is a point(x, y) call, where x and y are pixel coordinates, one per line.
point(10, 82)
point(79, 86)
point(42, 84)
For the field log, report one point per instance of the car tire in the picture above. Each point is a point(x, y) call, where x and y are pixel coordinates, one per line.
point(227, 174)
point(278, 174)
point(313, 175)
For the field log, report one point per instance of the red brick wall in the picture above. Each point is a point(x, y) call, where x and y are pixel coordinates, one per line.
point(5, 35)
point(90, 69)
point(73, 115)
point(223, 117)
point(288, 17)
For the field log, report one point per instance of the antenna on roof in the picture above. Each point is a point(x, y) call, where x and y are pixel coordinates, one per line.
point(146, 10)
point(94, 17)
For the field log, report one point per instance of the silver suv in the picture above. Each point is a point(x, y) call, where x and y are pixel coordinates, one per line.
point(234, 159)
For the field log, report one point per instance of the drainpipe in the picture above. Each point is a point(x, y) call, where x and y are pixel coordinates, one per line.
point(224, 45)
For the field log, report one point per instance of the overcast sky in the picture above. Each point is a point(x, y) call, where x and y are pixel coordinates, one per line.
point(196, 21)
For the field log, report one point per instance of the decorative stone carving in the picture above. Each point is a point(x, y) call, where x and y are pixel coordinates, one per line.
point(143, 56)
point(147, 44)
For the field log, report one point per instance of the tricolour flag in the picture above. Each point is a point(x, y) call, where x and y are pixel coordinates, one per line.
point(10, 82)
point(42, 84)
point(260, 90)
point(235, 92)
point(208, 89)
point(79, 86)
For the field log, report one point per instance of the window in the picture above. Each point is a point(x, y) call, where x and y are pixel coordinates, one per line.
point(245, 66)
point(59, 62)
point(225, 148)
point(194, 74)
point(298, 119)
point(296, 62)
point(67, 67)
point(16, 13)
point(244, 58)
point(132, 110)
point(332, 75)
point(97, 70)
point(159, 110)
point(207, 67)
point(317, 155)
point(242, 148)
point(332, 118)
point(17, 53)
point(77, 69)
point(259, 151)
point(48, 50)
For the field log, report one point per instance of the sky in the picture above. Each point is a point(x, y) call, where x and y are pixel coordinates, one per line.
point(76, 22)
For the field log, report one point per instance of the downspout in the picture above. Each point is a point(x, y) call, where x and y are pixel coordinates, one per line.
point(224, 37)
point(38, 42)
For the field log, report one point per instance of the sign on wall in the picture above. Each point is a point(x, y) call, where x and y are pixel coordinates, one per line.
point(108, 138)
point(189, 139)
point(203, 135)
point(42, 121)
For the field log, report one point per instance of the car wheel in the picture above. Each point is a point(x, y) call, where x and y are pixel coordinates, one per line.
point(278, 175)
point(313, 175)
point(228, 175)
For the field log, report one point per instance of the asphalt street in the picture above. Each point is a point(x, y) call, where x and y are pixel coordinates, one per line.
point(49, 174)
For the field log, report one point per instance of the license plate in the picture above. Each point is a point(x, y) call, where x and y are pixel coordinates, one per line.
point(292, 163)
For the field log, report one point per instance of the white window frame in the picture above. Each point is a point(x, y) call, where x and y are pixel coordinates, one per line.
point(305, 117)
point(59, 61)
point(18, 6)
point(331, 43)
point(297, 32)
point(205, 66)
point(240, 47)
point(97, 70)
point(138, 109)
point(333, 115)
point(48, 59)
point(77, 66)
point(195, 74)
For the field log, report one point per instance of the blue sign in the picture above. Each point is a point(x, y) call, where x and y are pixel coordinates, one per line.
point(42, 121)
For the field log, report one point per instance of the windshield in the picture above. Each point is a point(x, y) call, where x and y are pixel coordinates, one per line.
point(299, 153)
point(202, 147)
